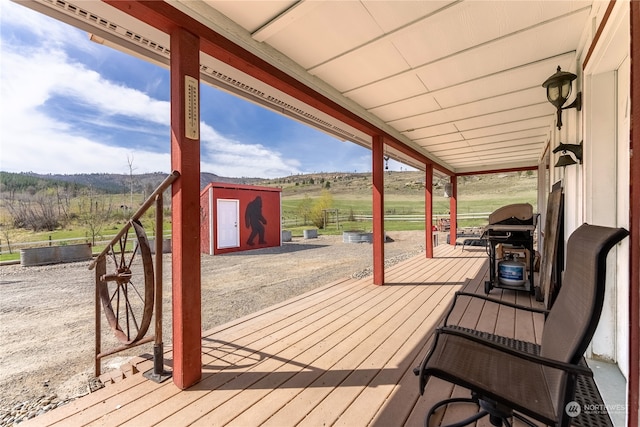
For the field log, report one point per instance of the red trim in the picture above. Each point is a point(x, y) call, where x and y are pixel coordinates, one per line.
point(377, 154)
point(526, 168)
point(165, 17)
point(428, 210)
point(634, 221)
point(185, 158)
point(453, 211)
point(232, 186)
point(598, 33)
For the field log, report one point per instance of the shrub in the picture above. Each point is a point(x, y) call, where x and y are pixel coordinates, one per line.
point(325, 201)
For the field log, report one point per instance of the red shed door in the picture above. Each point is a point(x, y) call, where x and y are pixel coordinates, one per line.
point(228, 233)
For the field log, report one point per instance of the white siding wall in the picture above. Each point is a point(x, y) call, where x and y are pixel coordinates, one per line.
point(601, 186)
point(622, 272)
point(606, 173)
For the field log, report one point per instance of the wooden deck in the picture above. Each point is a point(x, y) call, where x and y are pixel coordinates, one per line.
point(340, 355)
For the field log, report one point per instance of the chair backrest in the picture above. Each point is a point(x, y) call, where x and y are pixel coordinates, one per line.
point(572, 321)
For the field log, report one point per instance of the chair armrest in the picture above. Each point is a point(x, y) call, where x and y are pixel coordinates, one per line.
point(486, 298)
point(567, 367)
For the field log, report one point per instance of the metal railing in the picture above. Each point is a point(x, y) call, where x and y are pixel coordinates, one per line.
point(122, 276)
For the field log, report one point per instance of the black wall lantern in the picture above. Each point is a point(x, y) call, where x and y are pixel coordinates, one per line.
point(558, 91)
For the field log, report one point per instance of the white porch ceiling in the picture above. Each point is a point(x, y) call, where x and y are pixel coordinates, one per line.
point(458, 81)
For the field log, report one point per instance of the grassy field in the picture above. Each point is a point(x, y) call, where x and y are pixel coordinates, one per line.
point(407, 188)
point(351, 195)
point(404, 195)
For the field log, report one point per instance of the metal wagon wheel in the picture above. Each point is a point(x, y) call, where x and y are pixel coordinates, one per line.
point(127, 307)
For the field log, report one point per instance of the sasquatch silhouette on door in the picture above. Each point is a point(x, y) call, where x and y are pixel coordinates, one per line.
point(253, 219)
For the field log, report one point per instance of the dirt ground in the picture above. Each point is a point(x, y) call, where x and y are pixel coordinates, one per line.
point(47, 313)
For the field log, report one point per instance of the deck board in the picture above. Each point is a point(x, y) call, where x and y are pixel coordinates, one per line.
point(341, 355)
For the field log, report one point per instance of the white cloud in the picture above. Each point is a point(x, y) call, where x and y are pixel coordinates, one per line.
point(55, 33)
point(31, 140)
point(226, 157)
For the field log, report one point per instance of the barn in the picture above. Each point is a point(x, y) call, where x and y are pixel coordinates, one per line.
point(236, 217)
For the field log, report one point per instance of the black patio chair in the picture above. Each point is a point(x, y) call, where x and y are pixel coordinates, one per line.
point(510, 378)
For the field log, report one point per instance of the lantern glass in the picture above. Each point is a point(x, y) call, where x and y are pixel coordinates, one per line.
point(566, 90)
point(553, 93)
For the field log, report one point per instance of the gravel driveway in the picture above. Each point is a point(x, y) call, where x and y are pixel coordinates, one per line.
point(47, 312)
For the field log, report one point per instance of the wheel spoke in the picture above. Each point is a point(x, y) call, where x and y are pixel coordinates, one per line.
point(131, 312)
point(113, 256)
point(126, 311)
point(118, 303)
point(135, 288)
point(133, 256)
point(115, 292)
point(123, 248)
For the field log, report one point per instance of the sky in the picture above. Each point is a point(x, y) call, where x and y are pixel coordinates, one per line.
point(69, 105)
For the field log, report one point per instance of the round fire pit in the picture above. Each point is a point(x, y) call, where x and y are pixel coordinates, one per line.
point(357, 236)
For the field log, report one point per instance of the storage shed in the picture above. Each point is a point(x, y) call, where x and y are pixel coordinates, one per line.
point(236, 217)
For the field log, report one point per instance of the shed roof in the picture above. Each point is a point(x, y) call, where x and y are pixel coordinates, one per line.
point(245, 187)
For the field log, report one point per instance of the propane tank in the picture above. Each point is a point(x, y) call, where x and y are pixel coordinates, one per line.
point(511, 272)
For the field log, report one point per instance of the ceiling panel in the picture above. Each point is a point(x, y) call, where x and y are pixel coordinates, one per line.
point(455, 142)
point(503, 103)
point(516, 79)
point(440, 139)
point(399, 87)
point(470, 24)
point(458, 28)
point(495, 157)
point(504, 54)
point(431, 131)
point(540, 124)
point(325, 33)
point(459, 81)
point(367, 64)
point(534, 142)
point(408, 107)
point(508, 116)
point(460, 143)
point(262, 11)
point(394, 15)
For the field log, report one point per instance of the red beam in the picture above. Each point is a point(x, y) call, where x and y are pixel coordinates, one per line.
point(377, 154)
point(428, 210)
point(185, 205)
point(504, 170)
point(634, 221)
point(165, 17)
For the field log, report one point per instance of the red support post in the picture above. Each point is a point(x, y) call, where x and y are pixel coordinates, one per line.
point(453, 211)
point(185, 204)
point(428, 209)
point(377, 154)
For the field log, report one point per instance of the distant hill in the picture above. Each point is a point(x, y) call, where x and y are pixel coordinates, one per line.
point(101, 182)
point(341, 184)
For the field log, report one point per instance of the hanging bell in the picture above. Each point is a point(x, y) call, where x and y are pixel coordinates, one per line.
point(565, 160)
